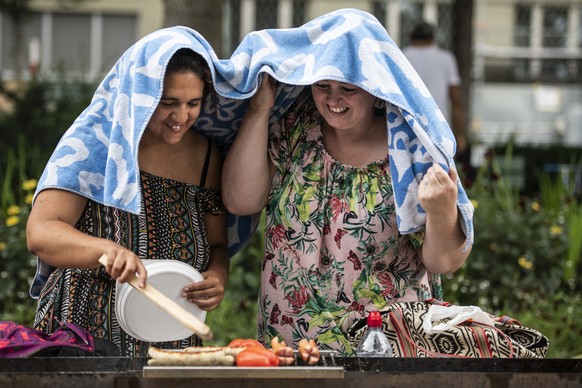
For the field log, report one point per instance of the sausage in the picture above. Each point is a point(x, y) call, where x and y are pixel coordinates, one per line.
point(284, 352)
point(309, 351)
point(172, 357)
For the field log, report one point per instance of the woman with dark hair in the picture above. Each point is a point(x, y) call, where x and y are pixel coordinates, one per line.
point(78, 216)
point(332, 249)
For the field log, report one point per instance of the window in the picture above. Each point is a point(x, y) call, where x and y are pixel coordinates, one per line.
point(554, 35)
point(118, 35)
point(71, 42)
point(555, 26)
point(522, 32)
point(68, 43)
point(522, 38)
point(546, 58)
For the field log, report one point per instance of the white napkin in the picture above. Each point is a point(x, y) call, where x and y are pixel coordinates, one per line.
point(458, 314)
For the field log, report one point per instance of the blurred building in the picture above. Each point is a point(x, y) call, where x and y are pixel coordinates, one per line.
point(85, 39)
point(526, 67)
point(528, 71)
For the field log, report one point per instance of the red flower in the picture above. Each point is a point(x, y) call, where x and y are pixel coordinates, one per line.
point(298, 298)
point(338, 207)
point(276, 234)
point(386, 281)
point(355, 306)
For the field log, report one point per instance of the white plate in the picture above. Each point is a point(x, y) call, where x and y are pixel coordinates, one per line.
point(141, 318)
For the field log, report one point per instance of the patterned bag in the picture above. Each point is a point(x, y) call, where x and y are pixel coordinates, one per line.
point(405, 324)
point(18, 341)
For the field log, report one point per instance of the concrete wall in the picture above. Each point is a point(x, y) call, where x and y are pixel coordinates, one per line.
point(321, 7)
point(150, 13)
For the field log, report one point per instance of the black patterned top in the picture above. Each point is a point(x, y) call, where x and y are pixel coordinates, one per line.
point(171, 226)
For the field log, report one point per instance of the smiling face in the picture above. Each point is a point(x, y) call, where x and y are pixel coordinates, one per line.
point(178, 109)
point(342, 105)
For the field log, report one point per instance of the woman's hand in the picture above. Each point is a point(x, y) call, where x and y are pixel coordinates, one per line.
point(438, 192)
point(264, 98)
point(208, 293)
point(122, 264)
point(444, 241)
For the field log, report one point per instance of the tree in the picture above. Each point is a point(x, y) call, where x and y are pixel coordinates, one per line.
point(463, 44)
point(205, 16)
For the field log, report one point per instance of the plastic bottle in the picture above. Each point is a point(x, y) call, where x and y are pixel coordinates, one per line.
point(374, 343)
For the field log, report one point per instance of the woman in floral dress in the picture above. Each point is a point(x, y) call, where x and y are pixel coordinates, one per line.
point(333, 251)
point(182, 216)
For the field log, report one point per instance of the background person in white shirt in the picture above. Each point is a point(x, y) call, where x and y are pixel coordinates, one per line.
point(438, 69)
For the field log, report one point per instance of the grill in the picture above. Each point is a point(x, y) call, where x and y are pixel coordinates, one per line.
point(326, 368)
point(83, 372)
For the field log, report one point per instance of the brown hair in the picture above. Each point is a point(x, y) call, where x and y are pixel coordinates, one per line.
point(187, 60)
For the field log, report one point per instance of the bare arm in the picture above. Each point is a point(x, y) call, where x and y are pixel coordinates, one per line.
point(248, 170)
point(51, 235)
point(444, 241)
point(209, 293)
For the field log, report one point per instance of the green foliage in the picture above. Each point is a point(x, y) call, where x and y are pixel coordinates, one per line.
point(16, 263)
point(230, 321)
point(236, 317)
point(41, 114)
point(575, 245)
point(558, 318)
point(30, 131)
point(525, 256)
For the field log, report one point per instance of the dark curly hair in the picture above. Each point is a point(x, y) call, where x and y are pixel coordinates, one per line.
point(187, 60)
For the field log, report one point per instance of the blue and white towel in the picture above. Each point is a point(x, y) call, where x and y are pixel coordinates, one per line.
point(346, 45)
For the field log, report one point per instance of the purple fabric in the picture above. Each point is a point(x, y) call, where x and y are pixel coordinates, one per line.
point(18, 341)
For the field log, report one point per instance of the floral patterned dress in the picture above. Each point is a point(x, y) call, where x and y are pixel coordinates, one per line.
point(171, 226)
point(333, 251)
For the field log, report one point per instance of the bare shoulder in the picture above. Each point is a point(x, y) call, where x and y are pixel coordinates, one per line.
point(58, 204)
point(55, 196)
